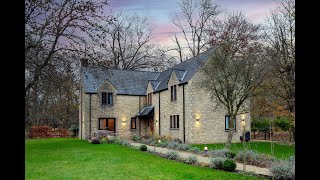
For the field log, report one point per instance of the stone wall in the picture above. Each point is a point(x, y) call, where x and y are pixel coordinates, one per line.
point(169, 107)
point(198, 105)
point(124, 108)
point(211, 125)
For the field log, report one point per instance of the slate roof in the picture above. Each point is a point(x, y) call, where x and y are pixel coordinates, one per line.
point(184, 70)
point(125, 81)
point(136, 82)
point(145, 111)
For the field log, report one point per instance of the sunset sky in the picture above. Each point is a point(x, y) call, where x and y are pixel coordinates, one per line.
point(159, 12)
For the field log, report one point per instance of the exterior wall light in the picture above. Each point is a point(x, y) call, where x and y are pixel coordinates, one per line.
point(197, 117)
point(205, 149)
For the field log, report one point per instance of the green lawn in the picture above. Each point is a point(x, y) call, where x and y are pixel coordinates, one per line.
point(280, 151)
point(77, 159)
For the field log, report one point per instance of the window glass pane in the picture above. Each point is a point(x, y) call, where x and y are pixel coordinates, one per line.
point(170, 121)
point(102, 124)
point(177, 121)
point(133, 123)
point(110, 99)
point(227, 122)
point(111, 124)
point(103, 98)
point(175, 92)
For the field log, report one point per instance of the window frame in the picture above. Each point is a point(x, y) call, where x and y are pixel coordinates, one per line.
point(174, 122)
point(106, 118)
point(173, 92)
point(135, 123)
point(104, 98)
point(149, 99)
point(225, 123)
point(111, 101)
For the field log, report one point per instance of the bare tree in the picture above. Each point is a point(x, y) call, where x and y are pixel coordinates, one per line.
point(126, 44)
point(236, 67)
point(194, 25)
point(57, 25)
point(281, 40)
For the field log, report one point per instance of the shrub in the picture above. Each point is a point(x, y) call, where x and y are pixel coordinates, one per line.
point(283, 169)
point(230, 154)
point(184, 147)
point(173, 145)
point(95, 141)
point(196, 150)
point(143, 147)
point(217, 162)
point(283, 124)
point(164, 144)
point(172, 155)
point(104, 140)
point(62, 132)
point(192, 160)
point(152, 143)
point(125, 143)
point(229, 165)
point(166, 138)
point(101, 133)
point(254, 158)
point(115, 140)
point(136, 138)
point(74, 129)
point(225, 153)
point(149, 141)
point(111, 141)
point(39, 131)
point(177, 140)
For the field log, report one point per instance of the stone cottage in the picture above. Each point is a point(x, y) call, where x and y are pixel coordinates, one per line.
point(170, 103)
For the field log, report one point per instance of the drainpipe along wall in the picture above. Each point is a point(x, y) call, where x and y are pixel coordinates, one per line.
point(81, 120)
point(90, 115)
point(183, 113)
point(159, 117)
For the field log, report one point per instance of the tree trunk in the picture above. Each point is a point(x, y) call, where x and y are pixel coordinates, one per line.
point(230, 135)
point(230, 132)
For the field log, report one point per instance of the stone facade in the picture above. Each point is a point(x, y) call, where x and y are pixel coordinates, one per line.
point(124, 108)
point(198, 104)
point(210, 127)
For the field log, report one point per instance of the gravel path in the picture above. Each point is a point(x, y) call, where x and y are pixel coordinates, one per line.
point(183, 154)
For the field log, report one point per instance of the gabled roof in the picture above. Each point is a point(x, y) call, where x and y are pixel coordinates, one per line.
point(135, 82)
point(125, 81)
point(184, 70)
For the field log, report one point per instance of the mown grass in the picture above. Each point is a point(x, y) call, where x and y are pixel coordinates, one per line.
point(77, 159)
point(280, 151)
